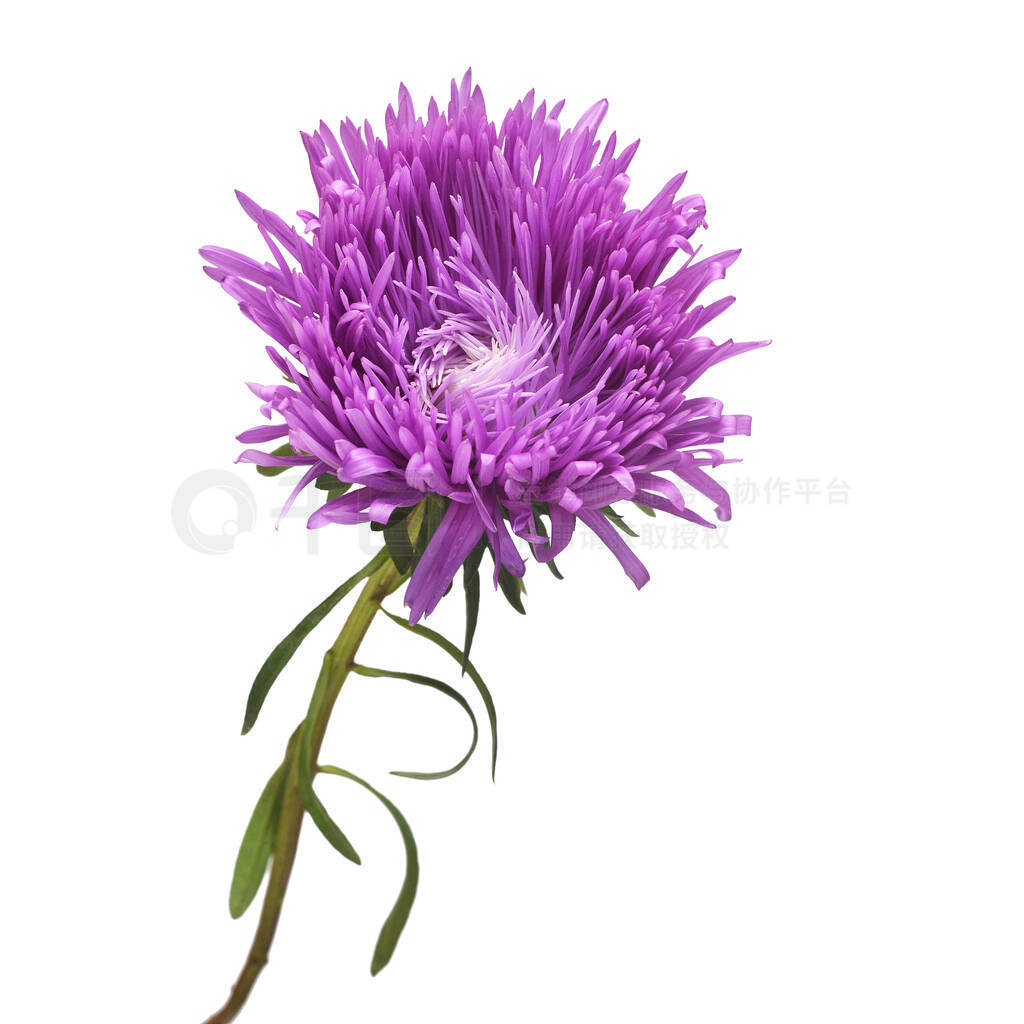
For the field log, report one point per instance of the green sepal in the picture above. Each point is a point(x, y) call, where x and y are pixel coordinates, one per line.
point(282, 653)
point(323, 821)
point(449, 648)
point(448, 691)
point(395, 923)
point(616, 520)
point(285, 450)
point(647, 511)
point(257, 844)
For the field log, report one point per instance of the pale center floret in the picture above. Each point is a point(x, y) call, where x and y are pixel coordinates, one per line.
point(485, 360)
point(469, 364)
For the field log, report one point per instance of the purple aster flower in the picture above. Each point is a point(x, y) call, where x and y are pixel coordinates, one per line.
point(474, 311)
point(482, 345)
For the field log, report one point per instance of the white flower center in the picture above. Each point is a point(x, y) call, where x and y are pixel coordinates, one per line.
point(460, 358)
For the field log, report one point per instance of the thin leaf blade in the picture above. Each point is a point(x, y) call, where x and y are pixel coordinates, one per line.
point(399, 544)
point(513, 588)
point(321, 818)
point(449, 648)
point(282, 653)
point(448, 691)
point(471, 584)
point(256, 846)
point(329, 482)
point(542, 530)
point(616, 520)
point(285, 450)
point(396, 920)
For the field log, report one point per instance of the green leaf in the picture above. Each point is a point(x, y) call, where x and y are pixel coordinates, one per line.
point(257, 844)
point(434, 684)
point(449, 648)
point(513, 588)
point(542, 530)
point(434, 508)
point(400, 547)
point(406, 535)
point(329, 482)
point(616, 520)
point(285, 449)
point(397, 515)
point(282, 653)
point(471, 583)
point(645, 509)
point(323, 821)
point(392, 929)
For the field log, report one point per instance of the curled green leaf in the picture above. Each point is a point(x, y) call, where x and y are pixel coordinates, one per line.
point(449, 648)
point(282, 653)
point(395, 923)
point(323, 821)
point(434, 684)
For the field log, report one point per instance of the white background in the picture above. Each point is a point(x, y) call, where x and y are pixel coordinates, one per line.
point(783, 783)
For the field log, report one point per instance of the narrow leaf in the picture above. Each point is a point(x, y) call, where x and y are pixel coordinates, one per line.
point(282, 653)
point(449, 648)
point(434, 684)
point(257, 843)
point(329, 482)
point(323, 821)
point(613, 517)
point(647, 511)
point(434, 513)
point(550, 563)
point(513, 589)
point(392, 929)
point(400, 548)
point(471, 582)
point(397, 515)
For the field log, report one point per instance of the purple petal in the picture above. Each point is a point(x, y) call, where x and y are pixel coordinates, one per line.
point(634, 568)
point(454, 539)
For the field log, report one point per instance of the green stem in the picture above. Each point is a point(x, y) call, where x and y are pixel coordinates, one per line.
point(383, 582)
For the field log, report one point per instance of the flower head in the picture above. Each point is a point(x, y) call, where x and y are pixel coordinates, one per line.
point(475, 312)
